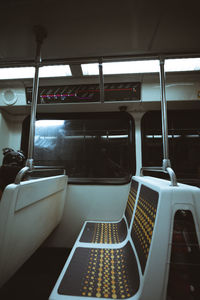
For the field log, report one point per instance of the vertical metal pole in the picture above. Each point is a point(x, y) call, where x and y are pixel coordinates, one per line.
point(101, 81)
point(166, 161)
point(40, 35)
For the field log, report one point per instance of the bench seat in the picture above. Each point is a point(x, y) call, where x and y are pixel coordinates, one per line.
point(111, 232)
point(102, 272)
point(138, 267)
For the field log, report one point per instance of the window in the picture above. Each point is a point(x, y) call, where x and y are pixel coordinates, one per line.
point(92, 147)
point(184, 143)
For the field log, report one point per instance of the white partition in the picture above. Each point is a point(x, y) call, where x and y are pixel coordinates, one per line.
point(29, 212)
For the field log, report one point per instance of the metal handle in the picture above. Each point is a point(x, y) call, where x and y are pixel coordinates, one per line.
point(172, 176)
point(21, 174)
point(168, 170)
point(24, 171)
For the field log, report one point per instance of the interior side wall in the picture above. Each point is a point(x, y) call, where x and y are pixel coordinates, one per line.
point(4, 130)
point(10, 131)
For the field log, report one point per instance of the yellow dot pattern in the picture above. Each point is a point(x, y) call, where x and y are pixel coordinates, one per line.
point(106, 275)
point(106, 233)
point(143, 224)
point(131, 202)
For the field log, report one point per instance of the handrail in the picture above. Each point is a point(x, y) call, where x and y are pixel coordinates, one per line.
point(95, 59)
point(48, 167)
point(21, 174)
point(166, 164)
point(26, 170)
point(172, 176)
point(101, 80)
point(168, 170)
point(40, 36)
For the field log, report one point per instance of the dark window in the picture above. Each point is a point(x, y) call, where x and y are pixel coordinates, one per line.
point(184, 143)
point(96, 147)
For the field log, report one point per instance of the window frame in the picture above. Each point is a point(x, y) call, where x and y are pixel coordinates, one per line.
point(89, 115)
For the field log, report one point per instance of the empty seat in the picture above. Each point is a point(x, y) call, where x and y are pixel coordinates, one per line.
point(139, 268)
point(111, 232)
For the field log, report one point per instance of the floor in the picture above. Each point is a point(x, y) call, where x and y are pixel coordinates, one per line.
point(36, 278)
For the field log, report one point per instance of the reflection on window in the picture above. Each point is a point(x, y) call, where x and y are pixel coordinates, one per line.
point(184, 143)
point(92, 147)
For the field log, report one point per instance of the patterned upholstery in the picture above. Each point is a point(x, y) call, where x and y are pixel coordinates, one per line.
point(101, 273)
point(111, 233)
point(143, 224)
point(131, 201)
point(107, 233)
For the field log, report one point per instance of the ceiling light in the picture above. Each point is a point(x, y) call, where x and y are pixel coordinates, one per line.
point(55, 71)
point(17, 73)
point(182, 64)
point(122, 67)
point(90, 69)
point(29, 72)
point(142, 66)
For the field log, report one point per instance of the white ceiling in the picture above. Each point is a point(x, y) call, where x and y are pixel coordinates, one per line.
point(98, 28)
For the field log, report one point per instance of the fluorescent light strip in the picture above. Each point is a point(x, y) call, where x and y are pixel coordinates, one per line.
point(17, 73)
point(182, 64)
point(127, 67)
point(115, 136)
point(48, 123)
point(90, 69)
point(160, 136)
point(28, 72)
point(192, 136)
point(55, 71)
point(142, 66)
point(131, 67)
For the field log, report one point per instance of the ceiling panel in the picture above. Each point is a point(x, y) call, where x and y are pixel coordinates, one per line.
point(98, 28)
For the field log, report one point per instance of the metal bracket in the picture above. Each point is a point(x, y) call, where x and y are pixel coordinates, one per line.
point(168, 170)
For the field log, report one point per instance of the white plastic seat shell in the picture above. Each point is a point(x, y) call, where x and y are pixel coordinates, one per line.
point(29, 212)
point(154, 279)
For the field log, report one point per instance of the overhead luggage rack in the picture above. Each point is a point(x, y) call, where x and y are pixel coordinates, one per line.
point(126, 91)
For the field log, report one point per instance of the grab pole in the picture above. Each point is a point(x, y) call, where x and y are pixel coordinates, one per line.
point(166, 164)
point(166, 160)
point(40, 34)
point(101, 80)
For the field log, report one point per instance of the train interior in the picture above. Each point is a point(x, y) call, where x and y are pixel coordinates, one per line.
point(106, 203)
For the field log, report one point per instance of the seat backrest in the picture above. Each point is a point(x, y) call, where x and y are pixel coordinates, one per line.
point(152, 228)
point(143, 224)
point(28, 214)
point(131, 201)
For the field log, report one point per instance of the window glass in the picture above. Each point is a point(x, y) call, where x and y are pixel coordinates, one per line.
point(184, 143)
point(89, 146)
